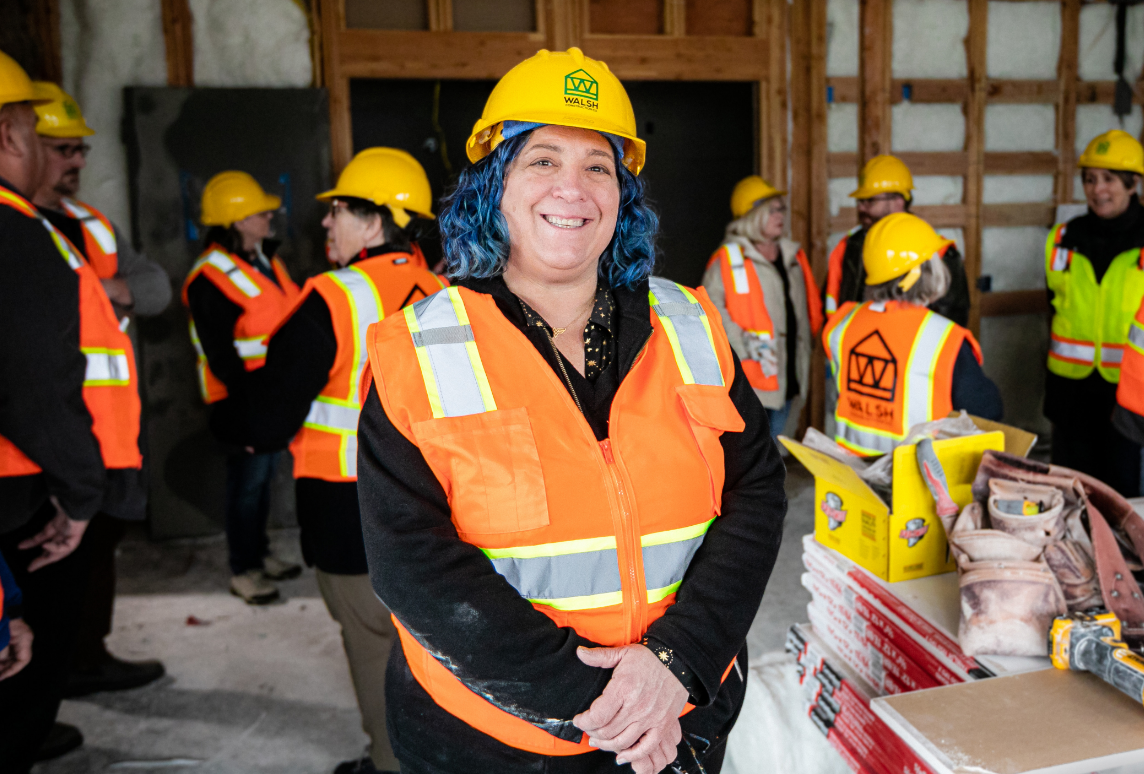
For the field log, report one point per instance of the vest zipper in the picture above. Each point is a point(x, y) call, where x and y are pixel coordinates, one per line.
point(628, 541)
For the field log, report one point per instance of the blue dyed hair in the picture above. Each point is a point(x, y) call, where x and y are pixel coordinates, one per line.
point(474, 233)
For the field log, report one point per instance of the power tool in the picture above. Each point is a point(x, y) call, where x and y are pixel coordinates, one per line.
point(1091, 643)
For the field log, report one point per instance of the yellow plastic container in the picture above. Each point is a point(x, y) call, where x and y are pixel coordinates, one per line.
point(907, 540)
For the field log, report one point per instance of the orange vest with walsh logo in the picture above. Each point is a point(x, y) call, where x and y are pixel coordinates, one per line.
point(99, 244)
point(358, 296)
point(893, 363)
point(110, 386)
point(748, 308)
point(596, 535)
point(264, 305)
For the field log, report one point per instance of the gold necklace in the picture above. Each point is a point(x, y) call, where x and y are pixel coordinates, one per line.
point(557, 331)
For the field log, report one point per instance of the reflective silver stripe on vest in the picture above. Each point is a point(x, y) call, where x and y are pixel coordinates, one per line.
point(236, 275)
point(694, 341)
point(835, 343)
point(1111, 354)
point(666, 564)
point(861, 438)
point(738, 269)
point(1082, 353)
point(333, 417)
point(565, 576)
point(928, 344)
point(250, 349)
point(104, 368)
point(1136, 336)
point(91, 223)
point(444, 341)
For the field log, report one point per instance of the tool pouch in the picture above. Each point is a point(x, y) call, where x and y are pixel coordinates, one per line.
point(1007, 607)
point(1007, 502)
point(1076, 572)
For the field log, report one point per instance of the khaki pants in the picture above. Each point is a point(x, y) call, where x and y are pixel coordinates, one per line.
point(368, 635)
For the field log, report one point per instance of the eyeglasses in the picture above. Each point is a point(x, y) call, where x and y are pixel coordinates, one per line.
point(69, 151)
point(336, 207)
point(879, 198)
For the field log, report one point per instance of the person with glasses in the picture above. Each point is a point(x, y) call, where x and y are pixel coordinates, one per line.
point(762, 284)
point(885, 186)
point(308, 397)
point(238, 291)
point(136, 287)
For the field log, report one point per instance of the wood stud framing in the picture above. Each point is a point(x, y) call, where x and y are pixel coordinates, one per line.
point(875, 60)
point(975, 151)
point(178, 36)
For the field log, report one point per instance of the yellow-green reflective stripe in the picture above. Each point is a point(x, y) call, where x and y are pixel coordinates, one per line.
point(675, 535)
point(655, 595)
point(450, 361)
point(426, 367)
point(688, 331)
point(673, 339)
point(365, 309)
point(591, 602)
point(471, 348)
point(552, 549)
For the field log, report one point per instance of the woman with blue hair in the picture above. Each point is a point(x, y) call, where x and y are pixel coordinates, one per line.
point(570, 498)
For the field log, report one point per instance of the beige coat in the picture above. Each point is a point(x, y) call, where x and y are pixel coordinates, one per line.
point(772, 285)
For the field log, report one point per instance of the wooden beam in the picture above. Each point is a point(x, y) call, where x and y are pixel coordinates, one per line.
point(875, 52)
point(819, 193)
point(317, 57)
point(1103, 92)
point(660, 58)
point(1022, 214)
point(975, 43)
point(937, 215)
point(45, 28)
point(440, 15)
point(675, 18)
point(333, 21)
point(799, 200)
point(401, 54)
point(773, 108)
point(178, 37)
point(920, 163)
point(566, 23)
point(1066, 101)
point(1015, 302)
point(1020, 162)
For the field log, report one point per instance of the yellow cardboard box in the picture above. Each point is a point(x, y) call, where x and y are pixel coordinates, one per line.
point(906, 541)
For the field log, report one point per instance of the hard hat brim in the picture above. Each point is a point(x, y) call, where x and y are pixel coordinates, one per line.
point(62, 133)
point(635, 149)
point(271, 203)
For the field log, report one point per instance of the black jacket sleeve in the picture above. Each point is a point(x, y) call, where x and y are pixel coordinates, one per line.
point(1130, 424)
point(42, 369)
point(954, 305)
point(720, 595)
point(215, 316)
point(972, 389)
point(298, 363)
point(448, 595)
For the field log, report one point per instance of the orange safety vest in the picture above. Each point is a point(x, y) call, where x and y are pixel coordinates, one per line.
point(110, 383)
point(834, 270)
point(746, 306)
point(893, 364)
point(596, 535)
point(264, 305)
point(99, 243)
point(357, 296)
point(1130, 392)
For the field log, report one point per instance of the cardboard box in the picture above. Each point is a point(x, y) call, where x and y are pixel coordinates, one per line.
point(905, 539)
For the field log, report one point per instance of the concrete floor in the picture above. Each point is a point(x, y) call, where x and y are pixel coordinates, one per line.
point(252, 690)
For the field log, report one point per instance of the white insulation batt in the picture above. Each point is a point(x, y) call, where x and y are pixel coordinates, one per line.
point(773, 733)
point(928, 38)
point(109, 44)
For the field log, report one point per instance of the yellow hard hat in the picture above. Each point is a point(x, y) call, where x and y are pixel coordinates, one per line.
point(750, 191)
point(388, 177)
point(564, 88)
point(60, 116)
point(15, 85)
point(231, 196)
point(883, 175)
point(897, 246)
point(1116, 150)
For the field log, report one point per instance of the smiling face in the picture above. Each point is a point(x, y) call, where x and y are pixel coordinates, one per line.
point(561, 200)
point(1106, 193)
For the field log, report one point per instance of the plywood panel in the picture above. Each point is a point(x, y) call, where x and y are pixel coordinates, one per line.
point(387, 14)
point(625, 17)
point(475, 55)
point(726, 17)
point(681, 59)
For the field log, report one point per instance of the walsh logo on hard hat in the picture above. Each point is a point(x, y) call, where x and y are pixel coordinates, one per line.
point(832, 509)
point(915, 530)
point(581, 90)
point(1102, 147)
point(872, 369)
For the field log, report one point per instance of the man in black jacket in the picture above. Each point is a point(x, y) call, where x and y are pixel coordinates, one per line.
point(43, 415)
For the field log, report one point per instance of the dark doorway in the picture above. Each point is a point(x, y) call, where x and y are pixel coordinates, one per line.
point(700, 136)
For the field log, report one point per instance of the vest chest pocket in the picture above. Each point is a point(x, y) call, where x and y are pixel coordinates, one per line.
point(711, 412)
point(491, 470)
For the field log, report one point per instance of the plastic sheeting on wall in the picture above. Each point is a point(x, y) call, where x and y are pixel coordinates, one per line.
point(928, 38)
point(1097, 42)
point(841, 38)
point(1031, 54)
point(1020, 127)
point(1014, 257)
point(842, 127)
point(106, 45)
point(251, 43)
point(1092, 120)
point(1009, 189)
point(938, 189)
point(927, 127)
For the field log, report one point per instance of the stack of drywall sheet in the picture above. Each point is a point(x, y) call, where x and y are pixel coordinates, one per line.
point(838, 703)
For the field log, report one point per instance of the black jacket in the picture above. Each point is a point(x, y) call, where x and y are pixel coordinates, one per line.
point(496, 642)
point(41, 376)
point(954, 305)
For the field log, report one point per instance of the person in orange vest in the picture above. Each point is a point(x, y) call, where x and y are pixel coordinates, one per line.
point(762, 285)
point(238, 291)
point(1128, 416)
point(569, 497)
point(1094, 271)
point(885, 186)
point(308, 396)
point(137, 287)
point(896, 363)
point(64, 364)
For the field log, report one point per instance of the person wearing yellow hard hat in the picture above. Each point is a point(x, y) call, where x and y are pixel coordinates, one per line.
point(238, 291)
point(561, 463)
point(762, 284)
point(1095, 277)
point(896, 363)
point(885, 186)
point(52, 478)
point(308, 397)
point(136, 287)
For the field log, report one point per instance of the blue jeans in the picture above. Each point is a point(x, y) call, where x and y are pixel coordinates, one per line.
point(778, 418)
point(248, 478)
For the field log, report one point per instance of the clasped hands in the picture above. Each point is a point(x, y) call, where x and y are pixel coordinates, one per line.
point(637, 715)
